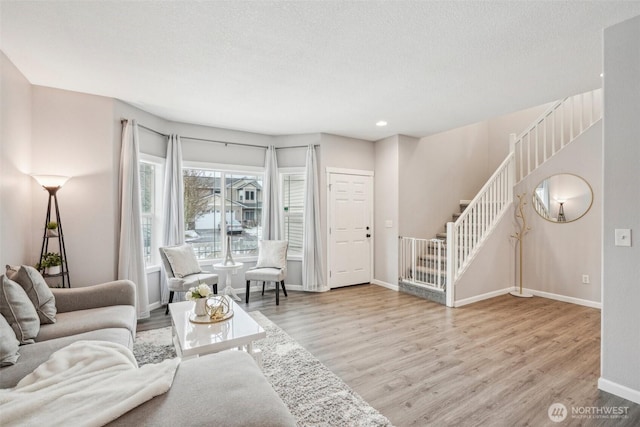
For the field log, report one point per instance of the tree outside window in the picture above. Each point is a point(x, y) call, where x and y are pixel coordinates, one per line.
point(207, 195)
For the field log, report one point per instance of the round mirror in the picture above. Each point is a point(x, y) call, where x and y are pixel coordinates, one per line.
point(562, 198)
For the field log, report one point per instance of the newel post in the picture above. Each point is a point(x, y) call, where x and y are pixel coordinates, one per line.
point(451, 261)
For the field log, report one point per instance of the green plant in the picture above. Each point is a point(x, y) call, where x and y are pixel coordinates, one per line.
point(51, 259)
point(52, 225)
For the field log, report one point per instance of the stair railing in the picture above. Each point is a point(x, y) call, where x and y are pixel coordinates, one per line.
point(540, 206)
point(468, 232)
point(560, 124)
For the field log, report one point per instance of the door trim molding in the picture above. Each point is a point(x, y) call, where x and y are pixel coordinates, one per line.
point(342, 171)
point(360, 172)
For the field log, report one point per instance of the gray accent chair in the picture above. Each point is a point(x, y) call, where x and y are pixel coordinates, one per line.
point(182, 284)
point(271, 267)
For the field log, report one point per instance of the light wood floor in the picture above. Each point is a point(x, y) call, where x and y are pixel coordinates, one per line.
point(499, 362)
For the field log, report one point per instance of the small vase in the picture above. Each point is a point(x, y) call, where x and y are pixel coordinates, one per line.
point(201, 307)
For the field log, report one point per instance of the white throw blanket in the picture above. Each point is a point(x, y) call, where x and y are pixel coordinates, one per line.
point(88, 383)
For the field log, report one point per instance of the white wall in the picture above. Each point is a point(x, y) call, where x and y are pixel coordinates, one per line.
point(620, 373)
point(413, 202)
point(556, 255)
point(343, 153)
point(436, 173)
point(492, 270)
point(15, 165)
point(204, 151)
point(72, 135)
point(295, 157)
point(386, 208)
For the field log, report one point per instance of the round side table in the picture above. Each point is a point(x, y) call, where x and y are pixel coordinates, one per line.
point(229, 269)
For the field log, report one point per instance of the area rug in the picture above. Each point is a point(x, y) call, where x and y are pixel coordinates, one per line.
point(313, 394)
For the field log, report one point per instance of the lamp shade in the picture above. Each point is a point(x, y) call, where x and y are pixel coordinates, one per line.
point(51, 181)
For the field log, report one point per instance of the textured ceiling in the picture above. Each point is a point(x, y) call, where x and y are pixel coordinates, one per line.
point(302, 67)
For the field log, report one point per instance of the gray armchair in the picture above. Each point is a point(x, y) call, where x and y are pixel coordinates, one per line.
point(271, 267)
point(183, 272)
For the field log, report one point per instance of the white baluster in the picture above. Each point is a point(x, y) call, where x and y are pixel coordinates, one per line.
point(544, 147)
point(536, 145)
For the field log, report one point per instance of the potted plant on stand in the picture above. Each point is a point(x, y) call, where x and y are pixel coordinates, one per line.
point(52, 263)
point(52, 229)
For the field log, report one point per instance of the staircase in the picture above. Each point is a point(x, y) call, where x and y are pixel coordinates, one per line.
point(430, 267)
point(455, 216)
point(428, 275)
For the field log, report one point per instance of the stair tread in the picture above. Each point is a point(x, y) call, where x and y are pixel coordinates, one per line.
point(430, 270)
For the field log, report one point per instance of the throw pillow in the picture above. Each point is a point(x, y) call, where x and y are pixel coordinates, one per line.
point(183, 260)
point(9, 345)
point(20, 313)
point(38, 292)
point(272, 253)
point(12, 270)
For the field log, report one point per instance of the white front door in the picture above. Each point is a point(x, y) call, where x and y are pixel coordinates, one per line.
point(350, 229)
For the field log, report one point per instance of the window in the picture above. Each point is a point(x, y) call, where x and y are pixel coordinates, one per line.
point(151, 171)
point(293, 187)
point(207, 194)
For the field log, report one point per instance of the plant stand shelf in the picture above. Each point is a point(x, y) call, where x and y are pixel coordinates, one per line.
point(47, 237)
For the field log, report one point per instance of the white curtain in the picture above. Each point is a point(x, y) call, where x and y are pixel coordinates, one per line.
point(172, 205)
point(271, 215)
point(131, 255)
point(312, 260)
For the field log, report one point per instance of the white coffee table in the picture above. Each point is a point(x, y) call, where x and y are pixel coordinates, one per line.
point(196, 339)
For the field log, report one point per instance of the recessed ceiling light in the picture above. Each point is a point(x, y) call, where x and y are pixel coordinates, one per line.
point(381, 123)
point(601, 74)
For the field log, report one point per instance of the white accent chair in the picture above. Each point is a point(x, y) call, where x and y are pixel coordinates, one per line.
point(271, 267)
point(183, 271)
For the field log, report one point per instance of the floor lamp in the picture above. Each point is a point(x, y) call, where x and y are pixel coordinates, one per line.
point(52, 183)
point(519, 235)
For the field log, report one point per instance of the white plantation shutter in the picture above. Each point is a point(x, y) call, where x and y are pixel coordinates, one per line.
point(293, 201)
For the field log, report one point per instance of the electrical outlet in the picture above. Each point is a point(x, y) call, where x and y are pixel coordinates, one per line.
point(585, 279)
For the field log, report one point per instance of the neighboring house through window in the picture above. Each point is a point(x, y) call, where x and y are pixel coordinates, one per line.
point(208, 193)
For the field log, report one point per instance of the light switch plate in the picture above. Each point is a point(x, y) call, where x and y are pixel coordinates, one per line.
point(623, 237)
point(388, 223)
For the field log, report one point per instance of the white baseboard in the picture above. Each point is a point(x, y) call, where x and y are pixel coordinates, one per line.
point(385, 285)
point(563, 298)
point(542, 294)
point(619, 390)
point(154, 305)
point(492, 294)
